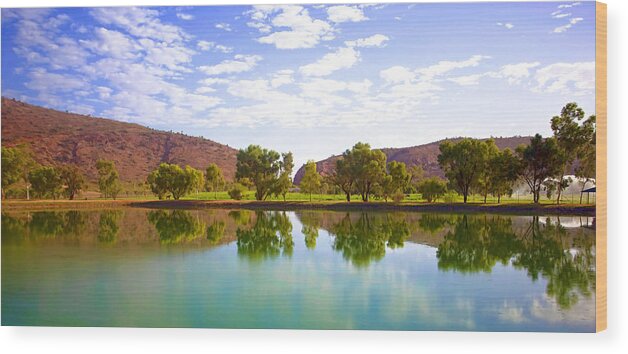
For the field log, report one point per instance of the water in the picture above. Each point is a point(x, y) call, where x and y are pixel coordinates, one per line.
point(306, 269)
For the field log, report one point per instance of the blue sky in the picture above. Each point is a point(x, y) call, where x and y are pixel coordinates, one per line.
point(311, 79)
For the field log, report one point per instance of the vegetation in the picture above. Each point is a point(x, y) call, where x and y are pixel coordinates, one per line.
point(311, 181)
point(214, 179)
point(463, 163)
point(260, 166)
point(73, 180)
point(108, 179)
point(17, 162)
point(171, 180)
point(46, 182)
point(284, 182)
point(539, 160)
point(432, 188)
point(237, 191)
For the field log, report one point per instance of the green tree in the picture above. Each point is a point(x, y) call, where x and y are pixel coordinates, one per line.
point(171, 178)
point(237, 191)
point(571, 138)
point(108, 178)
point(311, 181)
point(485, 181)
point(585, 172)
point(463, 163)
point(73, 180)
point(397, 179)
point(504, 171)
point(362, 168)
point(214, 179)
point(284, 182)
point(261, 166)
point(17, 162)
point(343, 177)
point(538, 161)
point(416, 176)
point(46, 182)
point(432, 188)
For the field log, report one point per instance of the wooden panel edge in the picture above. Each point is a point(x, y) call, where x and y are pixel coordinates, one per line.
point(601, 177)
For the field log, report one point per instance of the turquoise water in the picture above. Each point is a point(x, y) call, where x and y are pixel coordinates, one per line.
point(306, 269)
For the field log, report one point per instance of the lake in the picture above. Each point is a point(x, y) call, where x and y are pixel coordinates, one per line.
point(305, 269)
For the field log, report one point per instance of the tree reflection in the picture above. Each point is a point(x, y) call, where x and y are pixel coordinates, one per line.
point(312, 221)
point(270, 236)
point(477, 243)
point(364, 240)
point(109, 225)
point(434, 223)
point(215, 231)
point(176, 226)
point(240, 217)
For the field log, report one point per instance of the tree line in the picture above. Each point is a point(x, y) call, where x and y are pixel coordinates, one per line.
point(470, 166)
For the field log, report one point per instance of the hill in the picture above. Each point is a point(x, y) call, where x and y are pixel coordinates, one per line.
point(424, 155)
point(60, 137)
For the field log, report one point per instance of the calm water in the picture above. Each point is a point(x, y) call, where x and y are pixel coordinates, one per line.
point(307, 269)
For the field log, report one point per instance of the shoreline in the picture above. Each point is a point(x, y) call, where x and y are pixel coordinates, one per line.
point(507, 208)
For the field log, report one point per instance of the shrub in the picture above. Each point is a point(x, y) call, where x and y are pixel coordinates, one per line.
point(450, 197)
point(237, 191)
point(398, 197)
point(432, 188)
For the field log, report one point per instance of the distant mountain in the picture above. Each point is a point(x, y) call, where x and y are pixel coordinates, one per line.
point(424, 155)
point(61, 137)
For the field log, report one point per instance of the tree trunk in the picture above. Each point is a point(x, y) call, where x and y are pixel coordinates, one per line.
point(464, 195)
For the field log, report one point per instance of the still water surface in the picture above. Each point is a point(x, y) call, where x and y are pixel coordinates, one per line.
point(305, 269)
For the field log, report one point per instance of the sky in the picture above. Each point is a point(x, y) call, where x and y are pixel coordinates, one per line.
point(311, 79)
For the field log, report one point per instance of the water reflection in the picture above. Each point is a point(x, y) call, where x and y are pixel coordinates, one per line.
point(176, 226)
point(478, 243)
point(109, 225)
point(270, 236)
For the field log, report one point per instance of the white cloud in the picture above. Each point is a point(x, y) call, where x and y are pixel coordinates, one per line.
point(566, 78)
point(345, 13)
point(376, 40)
point(112, 43)
point(173, 57)
point(566, 6)
point(43, 81)
point(342, 58)
point(140, 22)
point(206, 45)
point(564, 28)
point(468, 80)
point(506, 25)
point(397, 74)
point(559, 14)
point(185, 17)
point(282, 77)
point(446, 66)
point(514, 73)
point(223, 26)
point(304, 31)
point(240, 63)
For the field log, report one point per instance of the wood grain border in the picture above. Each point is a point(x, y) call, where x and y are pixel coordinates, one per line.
point(601, 186)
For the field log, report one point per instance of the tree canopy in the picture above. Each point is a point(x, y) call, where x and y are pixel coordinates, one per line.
point(261, 166)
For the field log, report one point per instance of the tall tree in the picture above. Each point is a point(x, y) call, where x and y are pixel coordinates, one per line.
point(586, 165)
point(214, 179)
point(505, 170)
point(396, 180)
point(416, 176)
point(368, 167)
point(463, 163)
point(73, 179)
point(46, 182)
point(539, 160)
point(284, 182)
point(343, 177)
point(171, 178)
point(489, 170)
point(572, 133)
point(311, 181)
point(261, 166)
point(108, 178)
point(17, 162)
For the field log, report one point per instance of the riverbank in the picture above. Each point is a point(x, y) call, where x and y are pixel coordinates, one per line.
point(506, 208)
point(516, 209)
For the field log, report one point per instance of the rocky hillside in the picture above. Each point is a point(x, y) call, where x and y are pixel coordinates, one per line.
point(424, 155)
point(60, 137)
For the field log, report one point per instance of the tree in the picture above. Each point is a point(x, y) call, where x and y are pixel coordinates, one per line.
point(261, 166)
point(586, 166)
point(505, 170)
point(17, 162)
point(237, 191)
point(284, 182)
point(73, 179)
point(416, 176)
point(197, 178)
point(342, 177)
point(311, 181)
point(171, 178)
point(485, 180)
point(571, 138)
point(108, 179)
point(432, 188)
point(214, 179)
point(538, 161)
point(463, 163)
point(396, 180)
point(46, 182)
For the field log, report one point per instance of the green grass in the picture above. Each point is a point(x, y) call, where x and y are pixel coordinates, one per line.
point(412, 198)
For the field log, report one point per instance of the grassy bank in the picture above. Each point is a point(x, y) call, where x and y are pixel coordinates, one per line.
point(520, 209)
